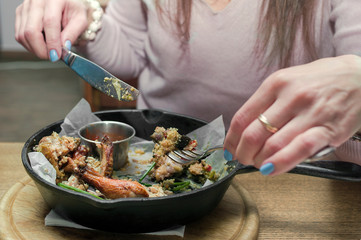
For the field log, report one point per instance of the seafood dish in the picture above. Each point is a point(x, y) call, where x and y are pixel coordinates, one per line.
point(78, 170)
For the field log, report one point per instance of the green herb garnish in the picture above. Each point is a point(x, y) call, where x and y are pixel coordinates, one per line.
point(180, 185)
point(146, 173)
point(77, 190)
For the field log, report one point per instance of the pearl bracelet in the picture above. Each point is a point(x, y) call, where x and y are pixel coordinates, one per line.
point(96, 15)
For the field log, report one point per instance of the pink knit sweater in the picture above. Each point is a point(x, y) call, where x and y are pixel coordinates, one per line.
point(220, 71)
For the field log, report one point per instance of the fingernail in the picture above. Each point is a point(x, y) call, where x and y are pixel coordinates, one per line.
point(68, 44)
point(227, 155)
point(267, 169)
point(53, 55)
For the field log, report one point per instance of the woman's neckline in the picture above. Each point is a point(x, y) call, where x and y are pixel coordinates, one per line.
point(218, 9)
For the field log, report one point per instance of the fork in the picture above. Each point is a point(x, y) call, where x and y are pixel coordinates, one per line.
point(186, 157)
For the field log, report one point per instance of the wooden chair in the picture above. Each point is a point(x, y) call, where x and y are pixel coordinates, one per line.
point(100, 101)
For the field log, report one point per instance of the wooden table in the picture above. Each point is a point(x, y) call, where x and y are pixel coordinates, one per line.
point(290, 206)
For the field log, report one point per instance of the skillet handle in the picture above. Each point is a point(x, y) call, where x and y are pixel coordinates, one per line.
point(325, 169)
point(240, 168)
point(330, 169)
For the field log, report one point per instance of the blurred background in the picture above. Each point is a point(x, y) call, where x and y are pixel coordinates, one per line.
point(35, 93)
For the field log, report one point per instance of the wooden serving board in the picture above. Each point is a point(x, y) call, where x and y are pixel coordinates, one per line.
point(22, 213)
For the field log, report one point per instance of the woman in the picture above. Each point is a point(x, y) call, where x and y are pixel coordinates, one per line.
point(284, 74)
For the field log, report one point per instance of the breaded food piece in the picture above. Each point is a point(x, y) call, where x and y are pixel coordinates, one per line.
point(167, 140)
point(63, 153)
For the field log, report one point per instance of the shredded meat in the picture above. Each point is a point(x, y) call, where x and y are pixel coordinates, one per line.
point(196, 169)
point(106, 162)
point(166, 140)
point(64, 153)
point(166, 168)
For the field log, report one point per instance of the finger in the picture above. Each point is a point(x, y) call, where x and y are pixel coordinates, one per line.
point(305, 117)
point(301, 148)
point(291, 121)
point(258, 102)
point(262, 99)
point(234, 134)
point(52, 28)
point(278, 141)
point(18, 21)
point(256, 134)
point(34, 29)
point(23, 13)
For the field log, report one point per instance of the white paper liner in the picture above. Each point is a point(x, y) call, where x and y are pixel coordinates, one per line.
point(207, 136)
point(78, 117)
point(42, 166)
point(54, 220)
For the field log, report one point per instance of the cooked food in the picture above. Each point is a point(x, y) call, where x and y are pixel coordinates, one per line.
point(77, 170)
point(123, 94)
point(106, 164)
point(113, 188)
point(64, 153)
point(167, 140)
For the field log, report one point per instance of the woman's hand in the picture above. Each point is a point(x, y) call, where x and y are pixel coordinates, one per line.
point(312, 106)
point(44, 26)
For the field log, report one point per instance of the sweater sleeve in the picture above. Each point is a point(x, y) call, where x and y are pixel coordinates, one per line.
point(345, 19)
point(119, 45)
point(350, 151)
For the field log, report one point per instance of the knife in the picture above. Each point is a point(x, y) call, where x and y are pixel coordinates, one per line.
point(99, 78)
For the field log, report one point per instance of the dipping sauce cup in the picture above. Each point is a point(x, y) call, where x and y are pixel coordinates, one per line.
point(119, 133)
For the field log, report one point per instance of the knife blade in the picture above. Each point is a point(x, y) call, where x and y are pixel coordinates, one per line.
point(99, 78)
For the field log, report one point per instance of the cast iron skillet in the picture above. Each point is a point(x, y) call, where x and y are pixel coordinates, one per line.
point(135, 215)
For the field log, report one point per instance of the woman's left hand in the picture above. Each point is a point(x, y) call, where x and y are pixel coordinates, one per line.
point(312, 106)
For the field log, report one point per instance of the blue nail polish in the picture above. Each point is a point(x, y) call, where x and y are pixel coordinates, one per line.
point(53, 55)
point(68, 44)
point(227, 155)
point(267, 169)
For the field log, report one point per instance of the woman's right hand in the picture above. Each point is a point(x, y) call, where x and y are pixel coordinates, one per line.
point(43, 26)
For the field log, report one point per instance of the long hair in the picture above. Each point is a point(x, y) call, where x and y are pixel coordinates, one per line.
point(278, 25)
point(181, 18)
point(279, 22)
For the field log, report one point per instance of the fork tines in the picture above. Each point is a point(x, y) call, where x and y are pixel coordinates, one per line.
point(184, 156)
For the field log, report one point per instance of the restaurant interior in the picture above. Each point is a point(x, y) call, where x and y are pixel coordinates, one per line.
point(35, 93)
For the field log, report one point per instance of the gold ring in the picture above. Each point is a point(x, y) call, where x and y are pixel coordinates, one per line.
point(266, 124)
